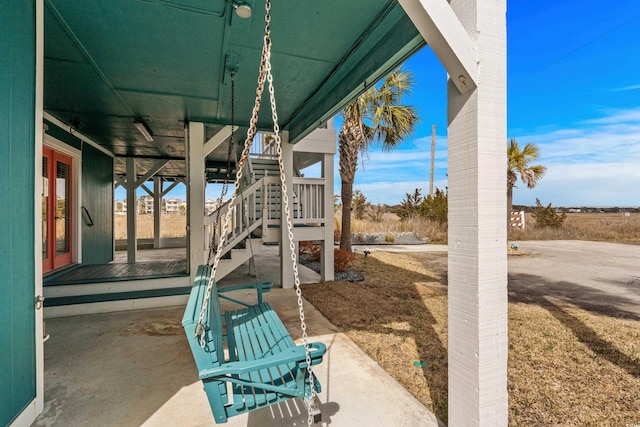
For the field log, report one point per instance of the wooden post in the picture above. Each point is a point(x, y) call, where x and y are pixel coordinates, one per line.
point(157, 210)
point(132, 228)
point(433, 156)
point(195, 196)
point(286, 266)
point(478, 330)
point(327, 272)
point(469, 35)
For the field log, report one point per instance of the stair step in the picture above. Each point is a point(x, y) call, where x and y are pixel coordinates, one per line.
point(116, 296)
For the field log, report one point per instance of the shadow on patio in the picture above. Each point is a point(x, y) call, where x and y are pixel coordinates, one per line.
point(135, 368)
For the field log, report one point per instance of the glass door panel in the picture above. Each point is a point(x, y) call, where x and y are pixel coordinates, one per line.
point(47, 257)
point(56, 210)
point(62, 208)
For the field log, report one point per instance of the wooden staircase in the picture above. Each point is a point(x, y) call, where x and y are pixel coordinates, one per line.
point(252, 212)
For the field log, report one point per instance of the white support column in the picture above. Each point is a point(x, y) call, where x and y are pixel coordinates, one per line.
point(477, 197)
point(195, 195)
point(327, 267)
point(478, 329)
point(157, 210)
point(132, 232)
point(286, 266)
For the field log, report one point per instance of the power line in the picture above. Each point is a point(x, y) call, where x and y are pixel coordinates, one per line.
point(601, 36)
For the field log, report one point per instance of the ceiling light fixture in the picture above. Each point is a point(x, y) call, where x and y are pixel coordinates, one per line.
point(243, 10)
point(144, 130)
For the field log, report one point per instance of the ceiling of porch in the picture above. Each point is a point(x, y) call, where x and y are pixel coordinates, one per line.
point(164, 62)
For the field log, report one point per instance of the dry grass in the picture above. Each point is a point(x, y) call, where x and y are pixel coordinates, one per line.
point(424, 228)
point(567, 365)
point(170, 226)
point(607, 227)
point(602, 227)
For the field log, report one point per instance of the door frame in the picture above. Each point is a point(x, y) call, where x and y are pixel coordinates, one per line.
point(53, 259)
point(76, 174)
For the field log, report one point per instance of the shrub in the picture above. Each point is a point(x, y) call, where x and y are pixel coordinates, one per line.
point(342, 259)
point(389, 238)
point(359, 204)
point(436, 207)
point(547, 216)
point(311, 250)
point(375, 213)
point(409, 207)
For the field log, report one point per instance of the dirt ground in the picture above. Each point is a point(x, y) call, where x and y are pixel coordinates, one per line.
point(574, 351)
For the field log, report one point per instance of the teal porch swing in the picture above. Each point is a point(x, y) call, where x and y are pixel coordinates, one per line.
point(246, 359)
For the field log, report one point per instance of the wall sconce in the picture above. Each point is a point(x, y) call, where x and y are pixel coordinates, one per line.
point(144, 130)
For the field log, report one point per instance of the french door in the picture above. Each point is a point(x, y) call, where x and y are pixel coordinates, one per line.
point(57, 200)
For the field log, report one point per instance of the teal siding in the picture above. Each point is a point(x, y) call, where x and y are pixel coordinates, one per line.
point(97, 198)
point(17, 156)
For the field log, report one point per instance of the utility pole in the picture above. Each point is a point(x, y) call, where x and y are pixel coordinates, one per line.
point(433, 155)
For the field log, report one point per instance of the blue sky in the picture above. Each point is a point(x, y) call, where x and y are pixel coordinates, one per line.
point(573, 89)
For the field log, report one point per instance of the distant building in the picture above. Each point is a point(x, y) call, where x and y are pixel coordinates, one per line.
point(145, 205)
point(172, 206)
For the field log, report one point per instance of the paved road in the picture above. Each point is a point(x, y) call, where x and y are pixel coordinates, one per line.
point(599, 276)
point(596, 275)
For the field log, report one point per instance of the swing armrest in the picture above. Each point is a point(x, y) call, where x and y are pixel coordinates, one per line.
point(259, 287)
point(290, 355)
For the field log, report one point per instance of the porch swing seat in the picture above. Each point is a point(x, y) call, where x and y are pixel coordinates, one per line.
point(249, 360)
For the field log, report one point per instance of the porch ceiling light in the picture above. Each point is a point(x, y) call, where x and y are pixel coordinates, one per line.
point(144, 130)
point(243, 10)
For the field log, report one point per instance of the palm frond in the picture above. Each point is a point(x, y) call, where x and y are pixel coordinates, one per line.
point(518, 164)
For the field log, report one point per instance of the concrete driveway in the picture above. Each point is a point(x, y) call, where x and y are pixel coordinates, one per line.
point(598, 276)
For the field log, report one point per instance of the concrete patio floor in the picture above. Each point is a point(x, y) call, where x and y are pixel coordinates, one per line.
point(135, 368)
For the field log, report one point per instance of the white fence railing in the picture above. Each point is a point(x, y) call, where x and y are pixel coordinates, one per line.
point(309, 198)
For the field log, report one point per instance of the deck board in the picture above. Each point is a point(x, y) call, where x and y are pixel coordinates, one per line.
point(92, 273)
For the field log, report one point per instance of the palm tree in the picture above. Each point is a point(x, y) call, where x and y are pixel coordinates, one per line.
point(518, 166)
point(376, 116)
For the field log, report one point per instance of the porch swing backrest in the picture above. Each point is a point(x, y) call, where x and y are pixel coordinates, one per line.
point(248, 348)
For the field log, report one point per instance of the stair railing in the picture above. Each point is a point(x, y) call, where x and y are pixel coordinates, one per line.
point(309, 195)
point(244, 209)
point(259, 205)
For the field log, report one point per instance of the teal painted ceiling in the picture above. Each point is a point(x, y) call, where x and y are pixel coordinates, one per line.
point(165, 62)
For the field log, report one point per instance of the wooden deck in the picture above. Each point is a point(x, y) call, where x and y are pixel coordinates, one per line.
point(152, 264)
point(117, 272)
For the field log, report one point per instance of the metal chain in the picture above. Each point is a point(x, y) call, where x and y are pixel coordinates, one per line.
point(287, 210)
point(265, 72)
point(199, 330)
point(225, 185)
